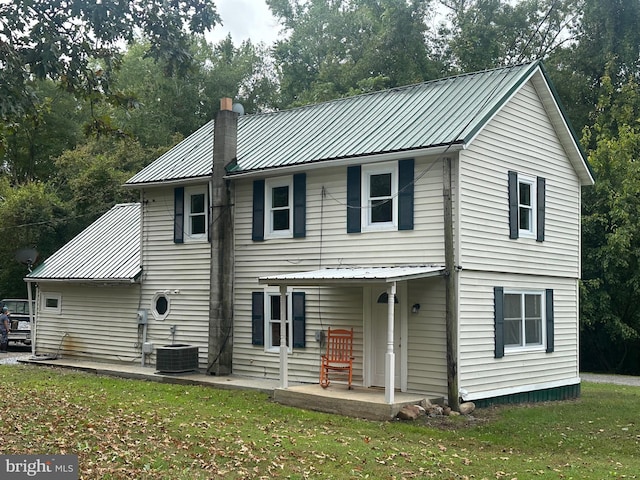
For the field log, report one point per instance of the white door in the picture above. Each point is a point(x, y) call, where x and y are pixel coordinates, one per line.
point(379, 325)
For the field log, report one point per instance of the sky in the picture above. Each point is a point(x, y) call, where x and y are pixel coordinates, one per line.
point(245, 19)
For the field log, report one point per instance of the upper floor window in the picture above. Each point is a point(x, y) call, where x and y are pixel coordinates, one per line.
point(380, 192)
point(279, 207)
point(380, 196)
point(191, 214)
point(526, 206)
point(196, 213)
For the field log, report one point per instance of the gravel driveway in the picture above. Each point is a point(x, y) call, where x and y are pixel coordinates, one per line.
point(616, 379)
point(15, 352)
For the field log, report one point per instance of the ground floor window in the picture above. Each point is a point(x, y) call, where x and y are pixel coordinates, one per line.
point(160, 306)
point(52, 302)
point(524, 320)
point(523, 325)
point(266, 320)
point(274, 321)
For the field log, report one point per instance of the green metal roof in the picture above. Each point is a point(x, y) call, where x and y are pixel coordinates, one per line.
point(97, 254)
point(440, 113)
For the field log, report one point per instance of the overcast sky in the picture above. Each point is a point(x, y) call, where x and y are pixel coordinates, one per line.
point(245, 19)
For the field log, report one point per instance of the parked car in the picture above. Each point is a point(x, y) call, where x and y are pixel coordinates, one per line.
point(20, 321)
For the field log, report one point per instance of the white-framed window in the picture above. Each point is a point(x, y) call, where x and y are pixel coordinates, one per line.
point(273, 325)
point(196, 213)
point(279, 207)
point(380, 197)
point(160, 306)
point(52, 302)
point(524, 320)
point(527, 196)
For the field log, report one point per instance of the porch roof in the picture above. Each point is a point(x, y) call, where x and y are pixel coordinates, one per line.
point(350, 275)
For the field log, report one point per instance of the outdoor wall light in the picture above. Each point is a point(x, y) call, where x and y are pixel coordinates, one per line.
point(415, 308)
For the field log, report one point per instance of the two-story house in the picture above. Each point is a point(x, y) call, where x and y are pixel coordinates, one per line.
point(440, 221)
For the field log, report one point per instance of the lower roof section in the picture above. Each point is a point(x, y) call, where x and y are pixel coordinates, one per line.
point(353, 275)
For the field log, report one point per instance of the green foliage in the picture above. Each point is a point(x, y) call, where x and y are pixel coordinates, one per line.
point(62, 39)
point(91, 176)
point(133, 429)
point(33, 140)
point(490, 33)
point(610, 300)
point(180, 104)
point(32, 217)
point(343, 48)
point(607, 44)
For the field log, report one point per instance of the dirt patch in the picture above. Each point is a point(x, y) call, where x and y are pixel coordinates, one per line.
point(480, 416)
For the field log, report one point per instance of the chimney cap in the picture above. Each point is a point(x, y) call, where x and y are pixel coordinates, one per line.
point(225, 103)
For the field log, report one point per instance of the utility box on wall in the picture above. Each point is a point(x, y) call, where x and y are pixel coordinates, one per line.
point(176, 358)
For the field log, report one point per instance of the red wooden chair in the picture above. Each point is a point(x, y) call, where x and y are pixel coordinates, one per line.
point(339, 356)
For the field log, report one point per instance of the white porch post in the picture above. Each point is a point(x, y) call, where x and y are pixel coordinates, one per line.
point(390, 358)
point(284, 351)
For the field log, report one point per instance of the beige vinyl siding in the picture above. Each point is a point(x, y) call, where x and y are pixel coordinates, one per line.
point(340, 308)
point(182, 271)
point(519, 138)
point(107, 331)
point(326, 245)
point(479, 370)
point(427, 338)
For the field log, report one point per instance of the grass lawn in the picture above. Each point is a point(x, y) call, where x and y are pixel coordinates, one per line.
point(144, 430)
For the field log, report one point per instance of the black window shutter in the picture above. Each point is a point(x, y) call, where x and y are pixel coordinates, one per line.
point(498, 302)
point(513, 205)
point(257, 232)
point(354, 193)
point(405, 195)
point(540, 205)
point(298, 320)
point(257, 318)
point(178, 215)
point(299, 205)
point(549, 315)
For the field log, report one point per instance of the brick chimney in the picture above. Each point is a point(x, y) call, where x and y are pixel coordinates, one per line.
point(225, 143)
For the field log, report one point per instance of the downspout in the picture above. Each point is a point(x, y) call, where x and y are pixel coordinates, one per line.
point(144, 321)
point(221, 230)
point(451, 300)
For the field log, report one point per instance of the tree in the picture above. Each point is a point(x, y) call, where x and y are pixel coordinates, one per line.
point(491, 33)
point(608, 44)
point(610, 293)
point(32, 217)
point(338, 48)
point(180, 104)
point(77, 43)
point(90, 177)
point(32, 141)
